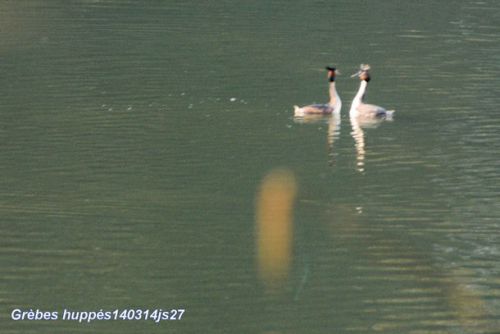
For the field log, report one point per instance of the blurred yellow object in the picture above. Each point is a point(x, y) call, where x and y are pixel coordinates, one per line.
point(467, 301)
point(274, 220)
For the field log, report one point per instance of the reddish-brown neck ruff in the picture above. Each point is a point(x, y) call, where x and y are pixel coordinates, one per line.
point(331, 75)
point(364, 76)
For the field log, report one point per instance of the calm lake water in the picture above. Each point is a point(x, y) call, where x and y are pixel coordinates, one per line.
point(134, 136)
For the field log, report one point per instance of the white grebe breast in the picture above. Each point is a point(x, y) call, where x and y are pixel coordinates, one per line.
point(360, 109)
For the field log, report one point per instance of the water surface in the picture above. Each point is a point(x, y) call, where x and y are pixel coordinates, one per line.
point(134, 136)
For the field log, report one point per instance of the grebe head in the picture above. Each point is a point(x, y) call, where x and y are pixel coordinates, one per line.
point(363, 73)
point(332, 72)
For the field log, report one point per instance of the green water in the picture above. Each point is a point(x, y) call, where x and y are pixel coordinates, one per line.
point(134, 136)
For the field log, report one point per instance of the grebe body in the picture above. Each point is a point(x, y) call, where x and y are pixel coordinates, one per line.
point(364, 111)
point(333, 106)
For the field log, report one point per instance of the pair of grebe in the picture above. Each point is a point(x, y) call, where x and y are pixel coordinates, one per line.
point(360, 110)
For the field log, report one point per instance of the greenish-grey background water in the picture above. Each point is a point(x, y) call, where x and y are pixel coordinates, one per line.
point(134, 136)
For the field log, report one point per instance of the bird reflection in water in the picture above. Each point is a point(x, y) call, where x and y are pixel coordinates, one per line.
point(333, 123)
point(364, 115)
point(358, 134)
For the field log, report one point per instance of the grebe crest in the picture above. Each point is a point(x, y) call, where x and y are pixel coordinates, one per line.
point(363, 73)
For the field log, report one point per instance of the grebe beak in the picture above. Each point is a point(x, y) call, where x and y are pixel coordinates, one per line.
point(356, 74)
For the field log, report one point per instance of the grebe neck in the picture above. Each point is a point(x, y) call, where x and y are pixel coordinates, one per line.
point(361, 93)
point(358, 99)
point(334, 96)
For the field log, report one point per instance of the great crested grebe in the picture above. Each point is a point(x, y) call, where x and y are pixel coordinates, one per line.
point(333, 106)
point(361, 110)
